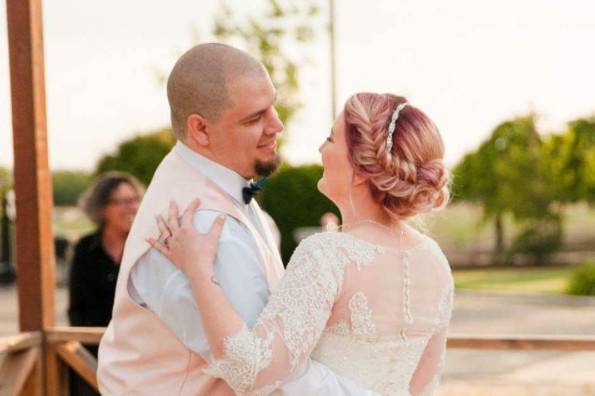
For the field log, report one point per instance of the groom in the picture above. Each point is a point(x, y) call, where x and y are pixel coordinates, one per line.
point(222, 112)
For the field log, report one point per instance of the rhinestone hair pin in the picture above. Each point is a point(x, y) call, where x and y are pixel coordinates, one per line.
point(391, 126)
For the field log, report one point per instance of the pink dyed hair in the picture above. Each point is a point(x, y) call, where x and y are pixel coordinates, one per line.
point(412, 178)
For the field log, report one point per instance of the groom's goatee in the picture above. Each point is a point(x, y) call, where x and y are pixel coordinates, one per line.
point(266, 168)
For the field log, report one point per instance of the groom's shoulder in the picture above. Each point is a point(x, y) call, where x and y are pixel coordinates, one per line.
point(204, 219)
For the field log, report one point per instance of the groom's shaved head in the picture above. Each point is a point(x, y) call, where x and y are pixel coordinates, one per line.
point(198, 83)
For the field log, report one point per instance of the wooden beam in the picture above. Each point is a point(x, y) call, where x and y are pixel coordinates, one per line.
point(34, 239)
point(16, 369)
point(80, 360)
point(19, 341)
point(85, 335)
point(54, 372)
point(33, 385)
point(522, 343)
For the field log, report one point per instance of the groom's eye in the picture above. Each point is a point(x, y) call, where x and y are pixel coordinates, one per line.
point(254, 120)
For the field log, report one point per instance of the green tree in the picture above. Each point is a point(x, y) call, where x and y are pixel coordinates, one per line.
point(5, 180)
point(67, 186)
point(274, 38)
point(572, 162)
point(507, 175)
point(293, 201)
point(139, 155)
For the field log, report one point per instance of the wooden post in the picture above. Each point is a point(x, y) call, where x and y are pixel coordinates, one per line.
point(35, 244)
point(34, 239)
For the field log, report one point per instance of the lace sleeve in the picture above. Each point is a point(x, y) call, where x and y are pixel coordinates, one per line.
point(257, 361)
point(430, 367)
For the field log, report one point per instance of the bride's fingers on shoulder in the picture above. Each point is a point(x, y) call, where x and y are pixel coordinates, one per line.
point(173, 216)
point(162, 225)
point(194, 205)
point(155, 244)
point(188, 214)
point(217, 227)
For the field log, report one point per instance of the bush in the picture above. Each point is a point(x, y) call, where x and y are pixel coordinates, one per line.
point(68, 185)
point(292, 199)
point(538, 239)
point(582, 281)
point(139, 155)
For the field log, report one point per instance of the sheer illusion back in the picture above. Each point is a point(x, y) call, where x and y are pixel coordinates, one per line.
point(393, 305)
point(373, 313)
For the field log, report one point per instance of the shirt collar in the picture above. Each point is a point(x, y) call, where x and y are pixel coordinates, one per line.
point(230, 181)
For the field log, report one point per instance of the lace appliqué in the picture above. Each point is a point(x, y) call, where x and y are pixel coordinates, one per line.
point(384, 366)
point(356, 251)
point(245, 355)
point(340, 328)
point(362, 324)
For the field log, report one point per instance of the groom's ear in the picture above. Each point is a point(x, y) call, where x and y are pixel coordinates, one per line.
point(196, 129)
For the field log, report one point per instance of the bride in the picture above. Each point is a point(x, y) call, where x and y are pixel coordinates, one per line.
point(373, 301)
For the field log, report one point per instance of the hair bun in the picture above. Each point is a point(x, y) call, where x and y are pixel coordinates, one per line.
point(411, 178)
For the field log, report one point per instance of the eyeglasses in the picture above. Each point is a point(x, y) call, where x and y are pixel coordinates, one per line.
point(123, 201)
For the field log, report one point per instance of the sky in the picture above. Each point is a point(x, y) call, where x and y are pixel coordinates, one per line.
point(468, 64)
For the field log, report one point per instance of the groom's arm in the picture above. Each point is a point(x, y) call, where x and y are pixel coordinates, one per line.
point(166, 291)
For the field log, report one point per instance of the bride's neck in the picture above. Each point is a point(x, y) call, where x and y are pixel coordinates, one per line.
point(363, 209)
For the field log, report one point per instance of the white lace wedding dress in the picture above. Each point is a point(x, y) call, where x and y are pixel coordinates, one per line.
point(373, 314)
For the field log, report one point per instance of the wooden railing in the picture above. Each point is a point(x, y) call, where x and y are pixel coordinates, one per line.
point(20, 370)
point(22, 357)
point(522, 343)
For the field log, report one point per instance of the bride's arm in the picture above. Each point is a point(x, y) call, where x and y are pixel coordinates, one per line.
point(426, 378)
point(287, 330)
point(429, 369)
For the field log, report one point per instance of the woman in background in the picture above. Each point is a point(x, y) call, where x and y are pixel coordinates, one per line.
point(111, 203)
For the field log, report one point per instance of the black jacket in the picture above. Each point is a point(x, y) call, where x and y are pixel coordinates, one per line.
point(92, 283)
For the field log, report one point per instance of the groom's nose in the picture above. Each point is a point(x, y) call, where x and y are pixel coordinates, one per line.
point(275, 124)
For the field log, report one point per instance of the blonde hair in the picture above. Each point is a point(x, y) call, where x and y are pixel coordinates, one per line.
point(411, 178)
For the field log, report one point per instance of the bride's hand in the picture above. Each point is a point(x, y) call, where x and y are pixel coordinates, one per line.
point(188, 249)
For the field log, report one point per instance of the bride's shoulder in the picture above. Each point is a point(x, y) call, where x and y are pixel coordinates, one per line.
point(338, 245)
point(432, 245)
point(317, 241)
point(327, 240)
point(436, 257)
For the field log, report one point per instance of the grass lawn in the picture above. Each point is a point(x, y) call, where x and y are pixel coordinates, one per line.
point(544, 280)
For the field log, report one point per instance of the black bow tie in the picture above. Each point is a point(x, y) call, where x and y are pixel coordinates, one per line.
point(250, 191)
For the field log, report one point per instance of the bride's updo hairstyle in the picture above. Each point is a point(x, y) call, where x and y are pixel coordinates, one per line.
point(408, 178)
